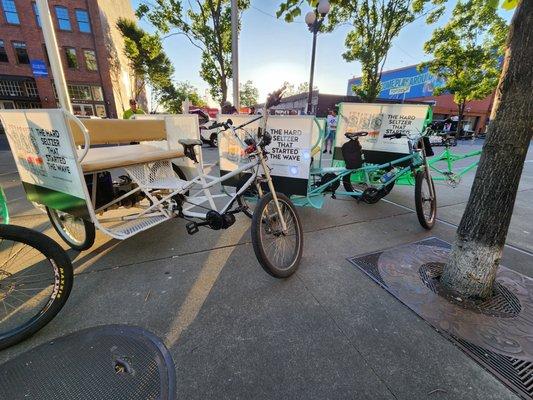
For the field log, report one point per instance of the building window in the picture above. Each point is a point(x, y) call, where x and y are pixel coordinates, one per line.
point(97, 93)
point(100, 110)
point(11, 88)
point(36, 12)
point(63, 19)
point(21, 53)
point(82, 16)
point(79, 92)
point(31, 89)
point(90, 60)
point(70, 55)
point(3, 53)
point(10, 12)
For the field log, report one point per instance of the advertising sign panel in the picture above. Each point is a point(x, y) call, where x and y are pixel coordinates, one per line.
point(403, 84)
point(39, 69)
point(378, 120)
point(288, 154)
point(46, 160)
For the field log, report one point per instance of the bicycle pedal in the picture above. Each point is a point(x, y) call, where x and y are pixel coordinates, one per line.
point(192, 228)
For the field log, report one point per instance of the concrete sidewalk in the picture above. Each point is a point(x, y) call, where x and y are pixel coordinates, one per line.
point(327, 332)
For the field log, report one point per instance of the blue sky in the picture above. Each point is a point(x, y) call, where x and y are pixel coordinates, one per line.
point(273, 51)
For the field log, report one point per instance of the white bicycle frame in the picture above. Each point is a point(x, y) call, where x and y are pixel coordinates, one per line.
point(206, 182)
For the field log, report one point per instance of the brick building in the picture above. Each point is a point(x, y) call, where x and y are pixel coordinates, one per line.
point(91, 49)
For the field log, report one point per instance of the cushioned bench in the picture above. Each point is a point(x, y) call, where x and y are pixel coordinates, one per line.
point(115, 131)
point(104, 158)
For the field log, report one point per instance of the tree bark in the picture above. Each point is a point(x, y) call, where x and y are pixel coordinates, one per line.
point(478, 246)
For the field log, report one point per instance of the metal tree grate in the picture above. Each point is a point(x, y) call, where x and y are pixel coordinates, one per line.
point(516, 373)
point(502, 303)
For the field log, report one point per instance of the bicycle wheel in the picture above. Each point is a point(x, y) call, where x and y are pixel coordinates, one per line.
point(278, 253)
point(77, 232)
point(35, 282)
point(426, 205)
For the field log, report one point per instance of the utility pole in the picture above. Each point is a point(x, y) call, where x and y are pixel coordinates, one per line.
point(53, 55)
point(235, 52)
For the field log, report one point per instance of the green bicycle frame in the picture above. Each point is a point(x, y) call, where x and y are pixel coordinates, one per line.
point(445, 173)
point(315, 195)
point(450, 159)
point(4, 212)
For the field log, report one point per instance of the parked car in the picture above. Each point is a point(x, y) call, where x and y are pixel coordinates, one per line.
point(208, 136)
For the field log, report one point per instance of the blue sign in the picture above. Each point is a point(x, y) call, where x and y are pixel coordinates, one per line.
point(405, 83)
point(39, 69)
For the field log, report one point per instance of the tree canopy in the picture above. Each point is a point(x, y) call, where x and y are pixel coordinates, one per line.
point(375, 24)
point(207, 25)
point(148, 62)
point(153, 68)
point(249, 94)
point(467, 51)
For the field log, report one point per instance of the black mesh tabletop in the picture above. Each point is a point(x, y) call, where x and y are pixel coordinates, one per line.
point(106, 362)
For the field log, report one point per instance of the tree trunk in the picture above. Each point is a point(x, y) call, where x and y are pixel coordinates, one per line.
point(223, 90)
point(476, 253)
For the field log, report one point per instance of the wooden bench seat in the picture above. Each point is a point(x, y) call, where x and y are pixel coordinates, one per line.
point(105, 158)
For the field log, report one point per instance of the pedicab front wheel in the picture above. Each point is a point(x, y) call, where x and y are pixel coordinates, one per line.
point(77, 232)
point(279, 252)
point(426, 203)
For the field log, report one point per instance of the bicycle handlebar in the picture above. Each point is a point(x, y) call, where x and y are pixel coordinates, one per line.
point(393, 136)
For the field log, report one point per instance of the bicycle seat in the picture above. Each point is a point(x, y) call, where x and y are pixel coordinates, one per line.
point(190, 142)
point(355, 135)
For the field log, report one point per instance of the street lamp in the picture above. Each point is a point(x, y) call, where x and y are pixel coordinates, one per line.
point(314, 20)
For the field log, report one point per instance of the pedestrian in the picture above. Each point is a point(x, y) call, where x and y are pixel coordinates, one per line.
point(331, 127)
point(134, 109)
point(252, 110)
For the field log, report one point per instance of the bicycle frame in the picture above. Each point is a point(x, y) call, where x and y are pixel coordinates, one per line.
point(450, 158)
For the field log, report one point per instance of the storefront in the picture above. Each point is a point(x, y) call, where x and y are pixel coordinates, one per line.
point(18, 92)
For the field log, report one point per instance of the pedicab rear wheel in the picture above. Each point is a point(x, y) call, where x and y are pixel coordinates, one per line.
point(278, 252)
point(77, 232)
point(426, 205)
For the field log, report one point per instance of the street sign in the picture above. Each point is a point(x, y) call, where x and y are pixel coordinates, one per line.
point(39, 69)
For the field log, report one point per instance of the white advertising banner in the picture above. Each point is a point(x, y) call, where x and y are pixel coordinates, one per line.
point(46, 160)
point(378, 120)
point(289, 153)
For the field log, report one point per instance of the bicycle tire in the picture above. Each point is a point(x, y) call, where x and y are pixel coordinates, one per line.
point(83, 243)
point(420, 179)
point(213, 140)
point(292, 218)
point(63, 279)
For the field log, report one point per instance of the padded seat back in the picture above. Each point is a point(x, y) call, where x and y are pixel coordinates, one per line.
point(116, 131)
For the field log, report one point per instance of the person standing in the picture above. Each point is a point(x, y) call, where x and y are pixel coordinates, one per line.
point(134, 109)
point(331, 127)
